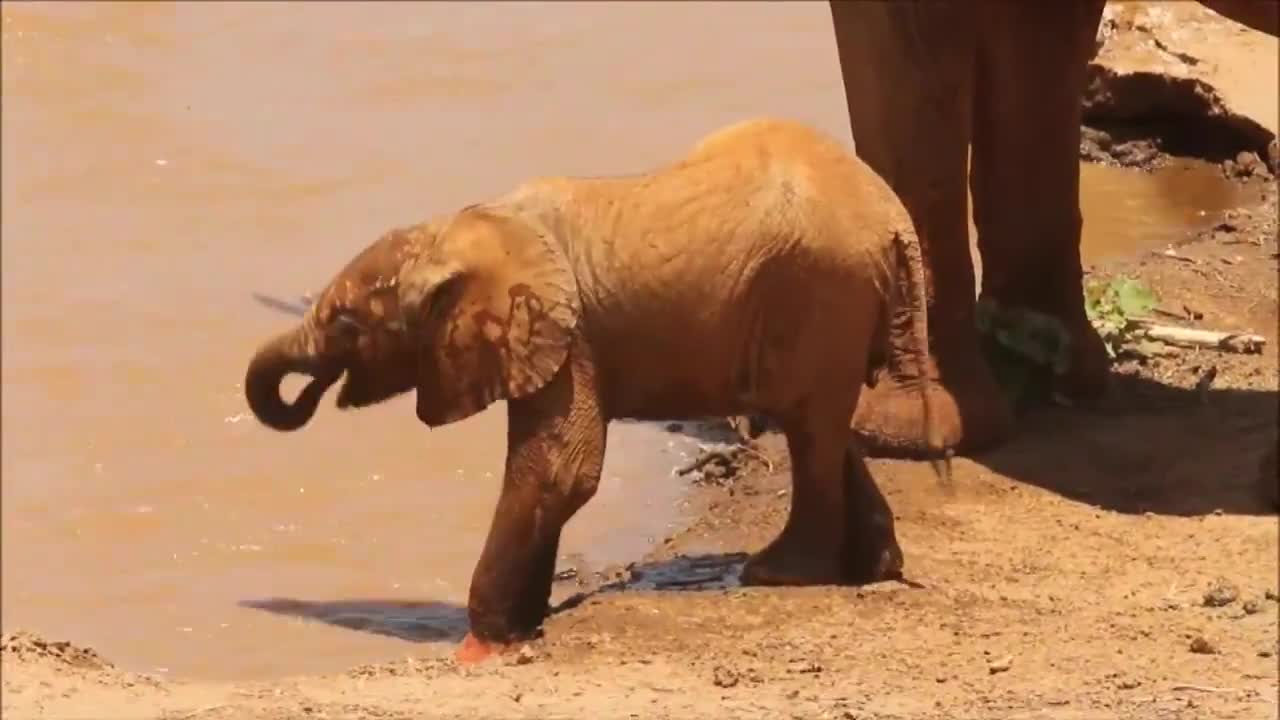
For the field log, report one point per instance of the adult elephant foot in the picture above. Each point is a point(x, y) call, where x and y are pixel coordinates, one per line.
point(1089, 370)
point(971, 410)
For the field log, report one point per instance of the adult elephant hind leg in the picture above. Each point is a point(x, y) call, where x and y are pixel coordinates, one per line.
point(556, 444)
point(1025, 177)
point(907, 70)
point(807, 551)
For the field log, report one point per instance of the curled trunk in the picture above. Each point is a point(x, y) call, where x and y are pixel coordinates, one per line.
point(287, 353)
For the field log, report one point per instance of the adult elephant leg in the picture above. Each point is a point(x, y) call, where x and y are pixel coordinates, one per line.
point(908, 70)
point(1032, 59)
point(555, 452)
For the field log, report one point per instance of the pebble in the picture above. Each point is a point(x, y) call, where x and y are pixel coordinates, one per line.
point(1221, 593)
point(1202, 646)
point(1251, 607)
point(1001, 665)
point(1272, 595)
point(724, 677)
point(525, 656)
point(805, 666)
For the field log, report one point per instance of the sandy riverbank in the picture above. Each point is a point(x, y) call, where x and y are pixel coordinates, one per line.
point(1117, 561)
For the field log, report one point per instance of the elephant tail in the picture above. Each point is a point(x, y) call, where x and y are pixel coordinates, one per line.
point(911, 260)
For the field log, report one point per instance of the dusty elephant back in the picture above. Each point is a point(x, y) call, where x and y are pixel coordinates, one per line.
point(765, 233)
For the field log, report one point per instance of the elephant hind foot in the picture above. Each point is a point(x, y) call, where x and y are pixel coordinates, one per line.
point(787, 563)
point(1089, 374)
point(970, 408)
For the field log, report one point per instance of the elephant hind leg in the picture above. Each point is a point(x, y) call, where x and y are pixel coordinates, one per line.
point(908, 79)
point(870, 552)
point(808, 550)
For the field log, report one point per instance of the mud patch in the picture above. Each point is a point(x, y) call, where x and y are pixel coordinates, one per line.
point(1138, 119)
point(22, 646)
point(1172, 79)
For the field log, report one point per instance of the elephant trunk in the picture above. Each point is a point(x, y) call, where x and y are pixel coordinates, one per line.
point(290, 352)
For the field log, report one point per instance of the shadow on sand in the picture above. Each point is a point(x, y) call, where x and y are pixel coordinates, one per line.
point(409, 620)
point(1150, 447)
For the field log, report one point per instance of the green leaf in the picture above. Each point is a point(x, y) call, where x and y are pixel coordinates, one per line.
point(1134, 299)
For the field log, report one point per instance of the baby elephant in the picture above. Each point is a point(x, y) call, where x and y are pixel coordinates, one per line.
point(755, 275)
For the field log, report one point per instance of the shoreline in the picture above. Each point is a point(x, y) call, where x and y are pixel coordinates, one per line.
point(1161, 584)
point(1115, 561)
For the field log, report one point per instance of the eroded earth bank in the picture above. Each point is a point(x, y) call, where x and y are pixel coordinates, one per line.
point(1113, 561)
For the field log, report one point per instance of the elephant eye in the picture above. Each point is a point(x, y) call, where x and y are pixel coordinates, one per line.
point(346, 323)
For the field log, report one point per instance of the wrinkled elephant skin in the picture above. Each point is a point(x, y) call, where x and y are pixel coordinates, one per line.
point(945, 96)
point(752, 276)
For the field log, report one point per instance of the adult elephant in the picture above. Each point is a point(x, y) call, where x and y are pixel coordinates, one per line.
point(947, 94)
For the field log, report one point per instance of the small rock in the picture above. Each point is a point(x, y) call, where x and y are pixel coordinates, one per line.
point(1128, 683)
point(805, 666)
point(1265, 653)
point(1252, 607)
point(1001, 665)
point(1271, 595)
point(1202, 646)
point(525, 656)
point(1221, 593)
point(724, 677)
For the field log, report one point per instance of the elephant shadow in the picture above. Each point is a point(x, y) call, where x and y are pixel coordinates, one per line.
point(408, 620)
point(418, 621)
point(1149, 447)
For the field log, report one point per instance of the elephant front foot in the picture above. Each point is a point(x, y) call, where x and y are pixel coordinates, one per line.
point(473, 650)
point(968, 405)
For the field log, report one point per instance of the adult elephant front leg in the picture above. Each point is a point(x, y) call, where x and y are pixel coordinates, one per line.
point(908, 77)
point(555, 453)
point(1032, 60)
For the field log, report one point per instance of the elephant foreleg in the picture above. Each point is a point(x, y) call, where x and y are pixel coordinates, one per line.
point(1025, 176)
point(556, 443)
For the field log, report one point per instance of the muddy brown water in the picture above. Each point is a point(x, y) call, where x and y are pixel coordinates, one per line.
point(164, 162)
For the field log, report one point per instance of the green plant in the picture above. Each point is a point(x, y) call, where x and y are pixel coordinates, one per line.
point(1026, 349)
point(1112, 306)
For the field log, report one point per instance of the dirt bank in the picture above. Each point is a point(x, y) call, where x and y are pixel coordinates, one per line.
point(1115, 561)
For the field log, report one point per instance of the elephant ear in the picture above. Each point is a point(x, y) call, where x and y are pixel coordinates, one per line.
point(493, 307)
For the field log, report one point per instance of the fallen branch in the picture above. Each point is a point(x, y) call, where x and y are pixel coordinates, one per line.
point(1203, 688)
point(1170, 254)
point(1192, 337)
point(199, 711)
point(727, 456)
point(702, 460)
point(752, 451)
